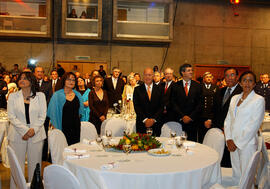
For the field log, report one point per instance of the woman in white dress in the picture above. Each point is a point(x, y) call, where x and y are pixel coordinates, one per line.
point(245, 115)
point(127, 95)
point(27, 112)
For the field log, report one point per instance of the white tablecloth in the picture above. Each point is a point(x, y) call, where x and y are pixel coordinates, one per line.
point(266, 122)
point(4, 124)
point(191, 171)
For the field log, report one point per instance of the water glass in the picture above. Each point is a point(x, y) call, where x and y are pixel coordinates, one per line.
point(183, 136)
point(149, 131)
point(126, 149)
point(173, 134)
point(109, 134)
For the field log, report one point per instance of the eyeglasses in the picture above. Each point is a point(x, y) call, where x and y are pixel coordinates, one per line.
point(230, 75)
point(73, 80)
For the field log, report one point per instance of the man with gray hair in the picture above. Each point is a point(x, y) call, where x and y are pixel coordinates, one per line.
point(166, 88)
point(147, 105)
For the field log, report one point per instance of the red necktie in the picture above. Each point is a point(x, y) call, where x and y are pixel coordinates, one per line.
point(166, 87)
point(186, 88)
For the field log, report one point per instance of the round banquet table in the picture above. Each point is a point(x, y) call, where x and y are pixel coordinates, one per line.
point(4, 124)
point(197, 169)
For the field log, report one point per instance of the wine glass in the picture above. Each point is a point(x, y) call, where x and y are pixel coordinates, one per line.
point(126, 131)
point(127, 149)
point(173, 134)
point(179, 145)
point(183, 136)
point(99, 140)
point(109, 134)
point(149, 131)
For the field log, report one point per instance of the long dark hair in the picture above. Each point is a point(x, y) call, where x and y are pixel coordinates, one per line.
point(83, 81)
point(65, 77)
point(30, 77)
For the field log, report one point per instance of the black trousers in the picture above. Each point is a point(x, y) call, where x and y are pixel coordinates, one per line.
point(45, 155)
point(191, 130)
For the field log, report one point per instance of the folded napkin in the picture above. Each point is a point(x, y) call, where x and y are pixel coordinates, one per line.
point(171, 141)
point(108, 166)
point(86, 141)
point(189, 144)
point(77, 156)
point(74, 150)
point(113, 142)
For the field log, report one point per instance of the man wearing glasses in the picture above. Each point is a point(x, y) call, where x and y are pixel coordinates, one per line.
point(233, 88)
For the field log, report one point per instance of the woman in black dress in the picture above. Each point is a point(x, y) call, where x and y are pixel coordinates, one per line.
point(98, 103)
point(65, 109)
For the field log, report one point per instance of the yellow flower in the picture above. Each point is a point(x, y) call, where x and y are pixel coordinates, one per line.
point(135, 147)
point(127, 141)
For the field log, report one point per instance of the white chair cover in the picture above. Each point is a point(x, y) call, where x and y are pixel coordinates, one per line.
point(57, 143)
point(88, 131)
point(263, 171)
point(2, 134)
point(16, 170)
point(59, 177)
point(167, 127)
point(116, 125)
point(215, 139)
point(247, 178)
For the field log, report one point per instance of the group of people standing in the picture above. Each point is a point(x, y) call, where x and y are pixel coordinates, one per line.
point(236, 109)
point(64, 103)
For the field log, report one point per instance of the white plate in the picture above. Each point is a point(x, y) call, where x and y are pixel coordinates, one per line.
point(152, 152)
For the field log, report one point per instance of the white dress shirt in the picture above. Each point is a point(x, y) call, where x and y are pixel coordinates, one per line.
point(189, 83)
point(114, 81)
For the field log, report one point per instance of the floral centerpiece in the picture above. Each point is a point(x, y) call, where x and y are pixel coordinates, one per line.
point(138, 142)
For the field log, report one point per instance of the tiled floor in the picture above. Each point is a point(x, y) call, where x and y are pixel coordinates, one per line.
point(5, 174)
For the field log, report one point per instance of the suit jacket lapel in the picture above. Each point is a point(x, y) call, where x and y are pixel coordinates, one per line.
point(182, 88)
point(21, 102)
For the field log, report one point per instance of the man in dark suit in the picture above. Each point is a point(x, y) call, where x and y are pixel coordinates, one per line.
point(147, 105)
point(210, 105)
point(55, 83)
point(166, 88)
point(114, 87)
point(3, 92)
point(186, 101)
point(263, 89)
point(157, 78)
point(233, 88)
point(44, 87)
point(138, 79)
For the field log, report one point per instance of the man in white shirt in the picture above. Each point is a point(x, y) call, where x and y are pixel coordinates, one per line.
point(114, 87)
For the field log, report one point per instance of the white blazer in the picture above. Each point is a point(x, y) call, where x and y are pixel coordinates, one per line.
point(243, 122)
point(16, 114)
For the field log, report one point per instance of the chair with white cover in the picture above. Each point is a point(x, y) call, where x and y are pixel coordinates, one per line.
point(2, 134)
point(171, 126)
point(247, 178)
point(16, 170)
point(57, 143)
point(59, 177)
point(215, 139)
point(88, 131)
point(116, 125)
point(263, 179)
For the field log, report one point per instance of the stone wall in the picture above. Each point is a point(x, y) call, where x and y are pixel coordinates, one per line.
point(205, 32)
